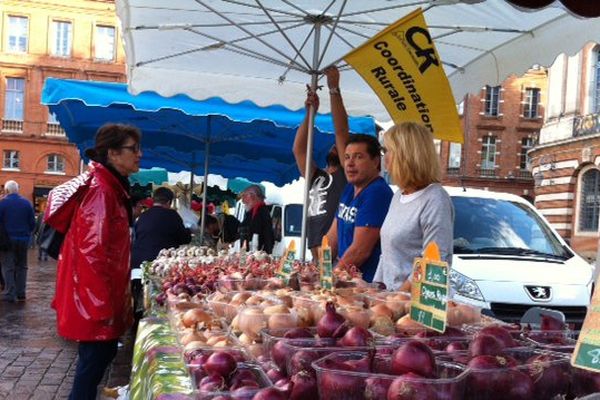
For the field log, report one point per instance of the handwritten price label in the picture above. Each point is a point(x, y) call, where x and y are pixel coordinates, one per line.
point(429, 290)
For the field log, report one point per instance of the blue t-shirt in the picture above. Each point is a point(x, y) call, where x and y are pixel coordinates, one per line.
point(368, 209)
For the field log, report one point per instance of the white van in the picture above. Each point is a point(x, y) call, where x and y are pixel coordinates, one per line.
point(507, 259)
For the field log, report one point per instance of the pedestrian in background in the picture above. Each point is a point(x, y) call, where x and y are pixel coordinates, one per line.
point(257, 220)
point(39, 228)
point(93, 297)
point(17, 216)
point(159, 227)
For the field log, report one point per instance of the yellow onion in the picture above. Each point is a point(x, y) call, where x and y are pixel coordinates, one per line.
point(382, 325)
point(193, 336)
point(382, 310)
point(276, 309)
point(282, 321)
point(195, 315)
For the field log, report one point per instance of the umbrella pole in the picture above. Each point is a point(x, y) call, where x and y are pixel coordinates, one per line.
point(204, 190)
point(309, 142)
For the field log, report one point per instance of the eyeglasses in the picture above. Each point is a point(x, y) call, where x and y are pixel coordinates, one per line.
point(382, 150)
point(134, 148)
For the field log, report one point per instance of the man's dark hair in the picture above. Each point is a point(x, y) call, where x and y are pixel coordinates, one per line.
point(333, 159)
point(373, 146)
point(112, 136)
point(210, 220)
point(163, 195)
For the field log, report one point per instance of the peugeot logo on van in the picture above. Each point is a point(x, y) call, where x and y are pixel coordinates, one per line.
point(539, 293)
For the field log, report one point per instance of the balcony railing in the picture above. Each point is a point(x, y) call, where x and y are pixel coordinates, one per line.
point(55, 130)
point(486, 172)
point(453, 171)
point(586, 125)
point(526, 175)
point(12, 126)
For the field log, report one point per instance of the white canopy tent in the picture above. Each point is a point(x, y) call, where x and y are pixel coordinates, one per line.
point(267, 50)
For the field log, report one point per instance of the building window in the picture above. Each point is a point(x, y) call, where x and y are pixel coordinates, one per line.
point(105, 43)
point(532, 102)
point(13, 101)
point(589, 200)
point(11, 159)
point(18, 28)
point(61, 45)
point(596, 88)
point(454, 154)
point(56, 163)
point(488, 153)
point(492, 101)
point(526, 145)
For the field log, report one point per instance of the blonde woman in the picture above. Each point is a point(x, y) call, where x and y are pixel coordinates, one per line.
point(421, 210)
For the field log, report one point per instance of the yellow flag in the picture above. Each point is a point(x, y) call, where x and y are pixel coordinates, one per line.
point(404, 69)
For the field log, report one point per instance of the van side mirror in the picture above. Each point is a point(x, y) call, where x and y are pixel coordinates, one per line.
point(568, 242)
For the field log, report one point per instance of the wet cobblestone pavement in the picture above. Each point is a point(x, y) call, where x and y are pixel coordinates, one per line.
point(36, 363)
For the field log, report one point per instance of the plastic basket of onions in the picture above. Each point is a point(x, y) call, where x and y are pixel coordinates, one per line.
point(410, 372)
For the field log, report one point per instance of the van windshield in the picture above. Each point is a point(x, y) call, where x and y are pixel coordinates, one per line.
point(490, 226)
point(293, 220)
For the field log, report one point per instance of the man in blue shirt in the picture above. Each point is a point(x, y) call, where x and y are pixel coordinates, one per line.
point(16, 214)
point(354, 235)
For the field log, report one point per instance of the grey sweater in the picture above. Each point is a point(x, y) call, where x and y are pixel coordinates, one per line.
point(411, 223)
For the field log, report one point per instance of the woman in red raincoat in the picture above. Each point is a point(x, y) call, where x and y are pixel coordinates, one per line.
point(93, 300)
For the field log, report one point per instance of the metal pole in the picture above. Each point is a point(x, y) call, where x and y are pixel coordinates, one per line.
point(204, 190)
point(309, 142)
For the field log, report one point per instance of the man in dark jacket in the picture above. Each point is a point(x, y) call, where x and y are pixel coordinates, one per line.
point(257, 220)
point(16, 214)
point(159, 227)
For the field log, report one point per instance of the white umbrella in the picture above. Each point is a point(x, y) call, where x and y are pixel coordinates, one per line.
point(264, 50)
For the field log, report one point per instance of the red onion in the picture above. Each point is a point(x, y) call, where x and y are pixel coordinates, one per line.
point(338, 385)
point(356, 337)
point(244, 383)
point(211, 383)
point(285, 385)
point(500, 333)
point(518, 386)
point(297, 333)
point(376, 388)
point(408, 387)
point(413, 356)
point(304, 386)
point(360, 365)
point(302, 360)
point(488, 376)
point(280, 354)
point(550, 378)
point(331, 323)
point(551, 324)
point(275, 374)
point(221, 363)
point(486, 345)
point(269, 393)
point(244, 393)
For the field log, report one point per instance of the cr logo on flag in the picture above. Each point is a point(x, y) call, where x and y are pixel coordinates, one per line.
point(428, 52)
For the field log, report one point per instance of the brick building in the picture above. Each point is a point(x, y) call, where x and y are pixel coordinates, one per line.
point(566, 163)
point(75, 39)
point(501, 123)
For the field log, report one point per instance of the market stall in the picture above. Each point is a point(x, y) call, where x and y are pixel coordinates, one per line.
point(245, 326)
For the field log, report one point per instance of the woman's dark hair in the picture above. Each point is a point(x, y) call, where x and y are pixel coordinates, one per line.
point(373, 146)
point(112, 136)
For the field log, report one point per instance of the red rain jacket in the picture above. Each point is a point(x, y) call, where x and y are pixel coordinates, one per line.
point(92, 299)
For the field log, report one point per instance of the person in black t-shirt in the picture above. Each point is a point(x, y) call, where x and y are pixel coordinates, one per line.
point(327, 184)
